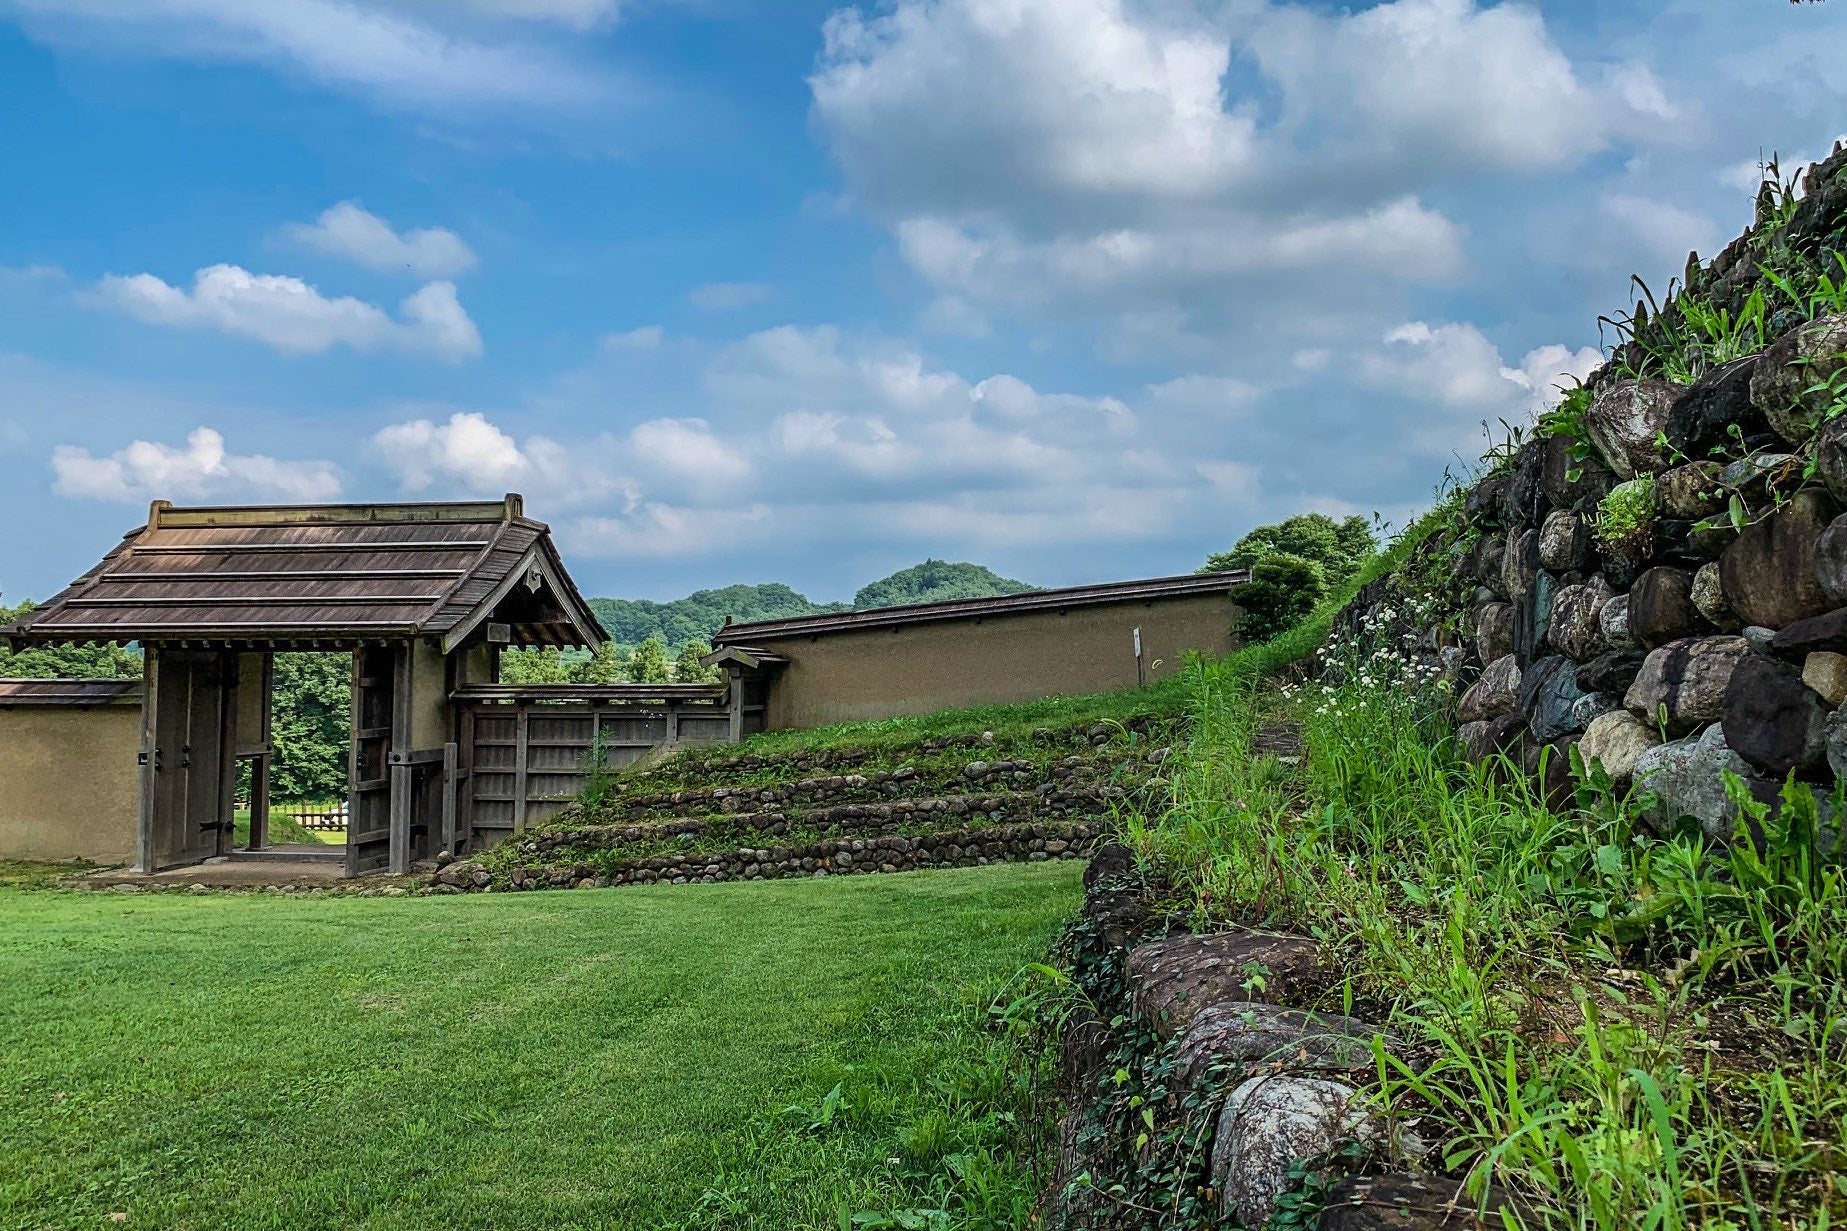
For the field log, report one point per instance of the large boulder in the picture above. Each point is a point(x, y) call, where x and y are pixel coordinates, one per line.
point(1701, 418)
point(1661, 607)
point(1497, 692)
point(1520, 564)
point(1268, 1124)
point(1770, 573)
point(1831, 560)
point(1691, 491)
point(1552, 702)
point(1613, 620)
point(1556, 483)
point(1494, 631)
point(1407, 1202)
point(1482, 505)
point(1482, 741)
point(1826, 673)
point(1522, 503)
point(1774, 720)
point(1686, 778)
point(1783, 384)
point(1625, 419)
point(1235, 1040)
point(1831, 456)
point(1576, 630)
point(1171, 981)
point(1611, 672)
point(1709, 597)
point(1617, 739)
point(1827, 631)
point(1682, 684)
point(1564, 542)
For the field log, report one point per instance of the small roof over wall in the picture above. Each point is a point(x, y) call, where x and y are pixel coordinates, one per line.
point(324, 575)
point(75, 694)
point(747, 639)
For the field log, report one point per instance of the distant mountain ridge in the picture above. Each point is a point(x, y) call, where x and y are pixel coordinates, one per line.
point(700, 614)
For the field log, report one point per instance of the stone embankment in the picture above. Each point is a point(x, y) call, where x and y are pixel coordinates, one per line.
point(1203, 1088)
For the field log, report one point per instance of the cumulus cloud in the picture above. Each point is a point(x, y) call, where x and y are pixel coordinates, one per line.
point(405, 54)
point(1233, 163)
point(1459, 370)
point(292, 316)
point(203, 468)
point(348, 231)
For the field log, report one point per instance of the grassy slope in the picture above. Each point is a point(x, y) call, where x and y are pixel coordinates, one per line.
point(557, 1060)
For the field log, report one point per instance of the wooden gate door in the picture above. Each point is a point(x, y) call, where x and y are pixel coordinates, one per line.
point(368, 833)
point(194, 777)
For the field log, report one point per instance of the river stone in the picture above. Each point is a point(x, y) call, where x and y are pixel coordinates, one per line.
point(1494, 631)
point(1826, 673)
point(1772, 719)
point(1240, 1038)
point(1519, 564)
point(1482, 741)
point(1709, 597)
point(1613, 622)
point(1522, 503)
point(1497, 692)
point(1831, 456)
point(1700, 419)
point(1823, 632)
point(1683, 682)
point(1837, 742)
point(1617, 739)
point(1557, 466)
point(1488, 563)
point(1708, 540)
point(1549, 698)
point(1612, 672)
point(1622, 561)
point(1687, 779)
point(1772, 468)
point(1769, 574)
point(1564, 541)
point(1171, 981)
point(1831, 561)
point(1267, 1125)
point(1576, 629)
point(1406, 1202)
point(1691, 491)
point(1790, 367)
point(1624, 420)
point(1661, 607)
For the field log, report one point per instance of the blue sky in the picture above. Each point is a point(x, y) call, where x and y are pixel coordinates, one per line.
point(1081, 289)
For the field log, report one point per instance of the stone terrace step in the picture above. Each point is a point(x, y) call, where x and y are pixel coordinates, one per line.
point(834, 857)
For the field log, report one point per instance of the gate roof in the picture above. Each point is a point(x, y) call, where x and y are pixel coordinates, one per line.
point(323, 574)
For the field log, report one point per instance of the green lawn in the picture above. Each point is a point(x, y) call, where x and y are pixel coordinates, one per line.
point(620, 1058)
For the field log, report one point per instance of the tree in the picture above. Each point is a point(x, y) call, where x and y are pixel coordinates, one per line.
point(1338, 547)
point(1282, 590)
point(70, 662)
point(687, 669)
point(936, 581)
point(649, 664)
point(608, 665)
point(310, 726)
point(545, 666)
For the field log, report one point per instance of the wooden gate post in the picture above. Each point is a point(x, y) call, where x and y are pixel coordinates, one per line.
point(150, 756)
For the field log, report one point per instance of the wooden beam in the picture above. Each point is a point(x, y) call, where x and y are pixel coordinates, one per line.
point(403, 776)
point(316, 574)
point(255, 600)
point(272, 549)
point(150, 750)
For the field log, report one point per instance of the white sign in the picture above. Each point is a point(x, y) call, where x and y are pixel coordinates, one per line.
point(1138, 643)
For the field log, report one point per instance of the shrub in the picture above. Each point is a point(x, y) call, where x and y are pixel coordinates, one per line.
point(1283, 590)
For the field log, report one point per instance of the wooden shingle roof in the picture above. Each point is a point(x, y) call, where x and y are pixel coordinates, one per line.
point(323, 574)
point(74, 694)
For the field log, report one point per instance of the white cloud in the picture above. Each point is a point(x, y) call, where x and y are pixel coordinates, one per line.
point(1458, 369)
point(349, 231)
point(728, 296)
point(403, 58)
point(1227, 167)
point(201, 469)
point(642, 338)
point(1659, 232)
point(292, 316)
point(687, 449)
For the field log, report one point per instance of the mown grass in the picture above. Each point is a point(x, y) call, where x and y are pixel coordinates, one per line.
point(1627, 1030)
point(761, 1055)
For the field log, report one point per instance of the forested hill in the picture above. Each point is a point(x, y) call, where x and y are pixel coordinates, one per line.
point(700, 614)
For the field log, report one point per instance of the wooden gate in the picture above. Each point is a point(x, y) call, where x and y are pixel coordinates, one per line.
point(527, 750)
point(188, 773)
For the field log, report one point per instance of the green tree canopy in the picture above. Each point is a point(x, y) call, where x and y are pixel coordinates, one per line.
point(1339, 547)
point(1282, 590)
point(650, 663)
point(687, 669)
point(70, 662)
point(936, 581)
point(311, 722)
